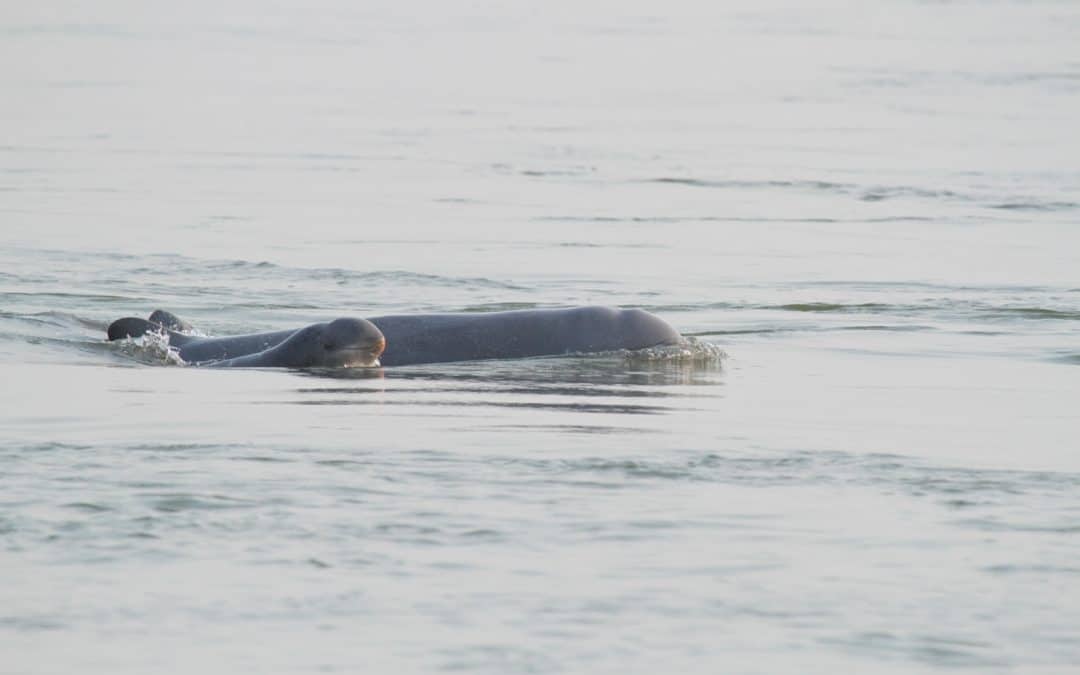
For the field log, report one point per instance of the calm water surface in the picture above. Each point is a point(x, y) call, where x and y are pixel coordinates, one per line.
point(872, 208)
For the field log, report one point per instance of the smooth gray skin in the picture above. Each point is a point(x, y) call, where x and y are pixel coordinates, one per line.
point(436, 338)
point(439, 338)
point(339, 343)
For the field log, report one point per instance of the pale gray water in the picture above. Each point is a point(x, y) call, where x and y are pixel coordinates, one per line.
point(872, 207)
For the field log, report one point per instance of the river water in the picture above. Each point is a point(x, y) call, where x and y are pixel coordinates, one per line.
point(872, 208)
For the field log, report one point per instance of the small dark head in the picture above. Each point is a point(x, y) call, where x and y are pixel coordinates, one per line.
point(345, 343)
point(171, 321)
point(131, 327)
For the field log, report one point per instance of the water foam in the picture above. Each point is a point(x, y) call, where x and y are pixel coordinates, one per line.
point(689, 350)
point(152, 347)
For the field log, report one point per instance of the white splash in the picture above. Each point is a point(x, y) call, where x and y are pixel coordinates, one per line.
point(153, 348)
point(690, 350)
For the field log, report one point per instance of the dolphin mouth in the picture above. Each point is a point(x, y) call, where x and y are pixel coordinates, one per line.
point(362, 356)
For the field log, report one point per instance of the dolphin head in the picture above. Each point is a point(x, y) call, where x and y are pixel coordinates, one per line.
point(347, 343)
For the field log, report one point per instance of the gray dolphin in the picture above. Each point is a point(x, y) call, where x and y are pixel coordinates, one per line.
point(439, 338)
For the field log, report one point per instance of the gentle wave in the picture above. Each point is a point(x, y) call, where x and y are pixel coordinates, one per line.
point(54, 318)
point(945, 307)
point(497, 307)
point(874, 193)
point(877, 77)
point(754, 184)
point(125, 266)
point(967, 309)
point(66, 296)
point(959, 487)
point(1035, 206)
point(343, 276)
point(832, 307)
point(723, 219)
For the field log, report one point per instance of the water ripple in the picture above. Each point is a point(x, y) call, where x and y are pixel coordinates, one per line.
point(874, 193)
